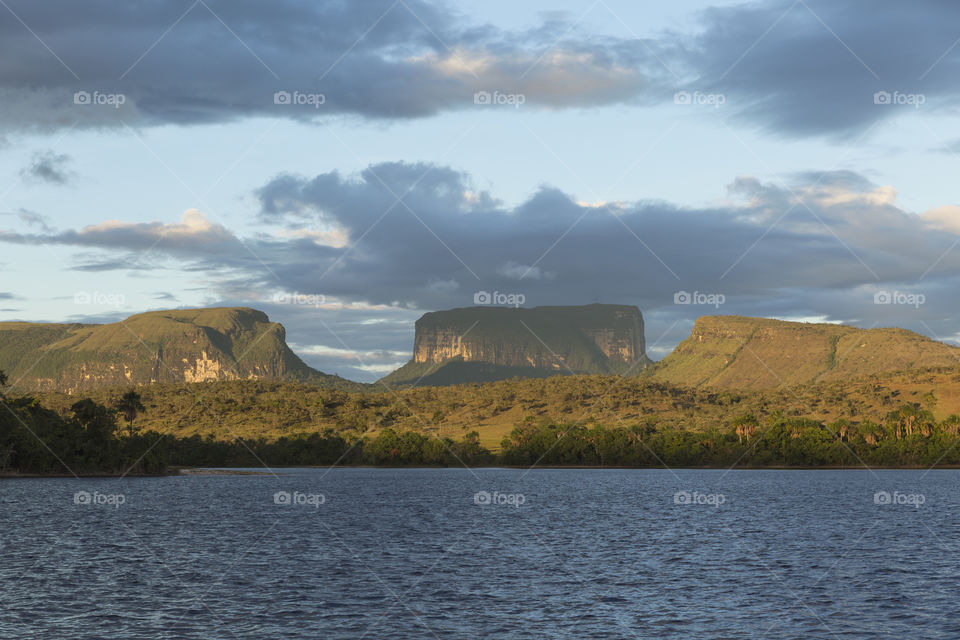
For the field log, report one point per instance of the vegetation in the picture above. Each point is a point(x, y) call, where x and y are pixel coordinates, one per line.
point(178, 345)
point(254, 409)
point(85, 440)
point(909, 436)
point(36, 440)
point(82, 436)
point(733, 352)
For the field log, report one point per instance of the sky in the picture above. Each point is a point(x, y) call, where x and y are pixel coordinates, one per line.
point(349, 166)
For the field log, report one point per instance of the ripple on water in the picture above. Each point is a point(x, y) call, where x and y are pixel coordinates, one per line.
point(408, 553)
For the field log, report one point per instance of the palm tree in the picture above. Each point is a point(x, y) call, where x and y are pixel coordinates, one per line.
point(129, 406)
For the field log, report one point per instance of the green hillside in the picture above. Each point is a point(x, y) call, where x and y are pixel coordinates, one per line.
point(733, 352)
point(190, 345)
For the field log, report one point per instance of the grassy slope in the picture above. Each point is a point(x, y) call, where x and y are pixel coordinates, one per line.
point(243, 338)
point(731, 352)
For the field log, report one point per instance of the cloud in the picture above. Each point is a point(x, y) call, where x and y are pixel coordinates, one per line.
point(48, 167)
point(193, 234)
point(153, 63)
point(358, 341)
point(32, 218)
point(516, 271)
point(815, 68)
point(946, 218)
point(419, 237)
point(823, 68)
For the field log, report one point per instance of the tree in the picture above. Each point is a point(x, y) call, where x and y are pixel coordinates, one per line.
point(746, 425)
point(97, 420)
point(129, 405)
point(3, 379)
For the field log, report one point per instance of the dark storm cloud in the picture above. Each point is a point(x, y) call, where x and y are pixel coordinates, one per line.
point(834, 229)
point(98, 63)
point(47, 167)
point(419, 236)
point(813, 67)
point(796, 68)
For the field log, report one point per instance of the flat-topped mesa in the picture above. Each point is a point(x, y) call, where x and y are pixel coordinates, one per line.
point(502, 342)
point(735, 352)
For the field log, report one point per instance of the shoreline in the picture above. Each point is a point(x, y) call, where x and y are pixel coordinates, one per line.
point(263, 471)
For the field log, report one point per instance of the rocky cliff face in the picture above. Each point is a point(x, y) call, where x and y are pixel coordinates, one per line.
point(193, 345)
point(508, 337)
point(528, 342)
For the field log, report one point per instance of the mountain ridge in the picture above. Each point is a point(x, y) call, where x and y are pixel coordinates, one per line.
point(180, 345)
point(737, 352)
point(462, 346)
point(483, 344)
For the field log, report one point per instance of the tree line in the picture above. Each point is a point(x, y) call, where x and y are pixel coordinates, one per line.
point(105, 438)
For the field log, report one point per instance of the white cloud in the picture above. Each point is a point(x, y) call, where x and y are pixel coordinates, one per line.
point(946, 218)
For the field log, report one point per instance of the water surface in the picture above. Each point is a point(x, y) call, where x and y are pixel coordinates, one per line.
point(387, 553)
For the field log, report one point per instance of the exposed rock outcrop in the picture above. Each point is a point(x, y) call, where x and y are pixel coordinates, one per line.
point(478, 344)
point(191, 345)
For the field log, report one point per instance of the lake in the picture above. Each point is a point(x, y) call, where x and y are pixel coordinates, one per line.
point(422, 553)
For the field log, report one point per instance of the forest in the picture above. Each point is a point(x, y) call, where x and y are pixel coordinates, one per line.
point(106, 437)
